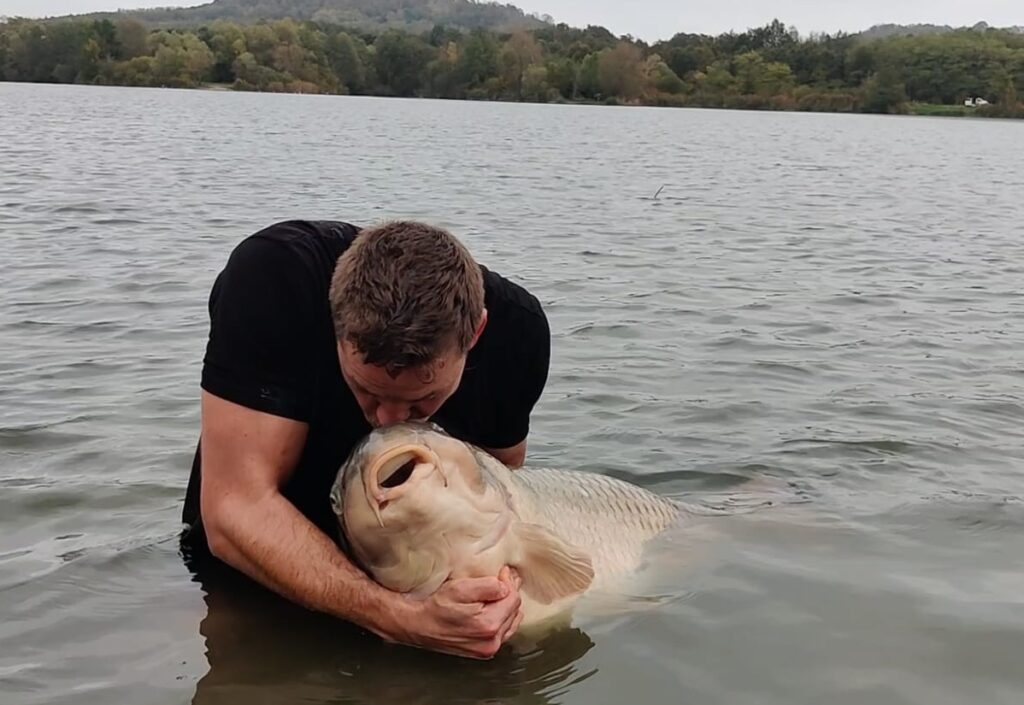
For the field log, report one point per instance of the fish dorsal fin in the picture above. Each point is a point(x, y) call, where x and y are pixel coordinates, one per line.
point(551, 568)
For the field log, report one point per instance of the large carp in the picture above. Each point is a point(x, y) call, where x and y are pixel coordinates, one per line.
point(416, 507)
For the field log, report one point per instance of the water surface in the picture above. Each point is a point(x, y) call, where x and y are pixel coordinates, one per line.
point(829, 303)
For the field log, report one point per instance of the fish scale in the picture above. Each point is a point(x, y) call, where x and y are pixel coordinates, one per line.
point(609, 519)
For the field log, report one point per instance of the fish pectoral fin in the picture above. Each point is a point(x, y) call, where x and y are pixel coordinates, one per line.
point(551, 568)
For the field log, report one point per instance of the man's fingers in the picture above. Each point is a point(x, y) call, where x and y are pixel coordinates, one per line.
point(493, 618)
point(486, 589)
point(517, 579)
point(479, 590)
point(506, 611)
point(510, 575)
point(514, 627)
point(480, 614)
point(511, 622)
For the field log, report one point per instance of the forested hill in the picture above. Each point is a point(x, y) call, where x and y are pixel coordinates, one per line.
point(883, 31)
point(372, 15)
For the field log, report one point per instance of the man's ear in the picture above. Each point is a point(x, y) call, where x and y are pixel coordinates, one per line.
point(479, 329)
point(346, 351)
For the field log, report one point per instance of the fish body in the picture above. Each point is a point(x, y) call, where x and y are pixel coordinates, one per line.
point(417, 507)
point(612, 521)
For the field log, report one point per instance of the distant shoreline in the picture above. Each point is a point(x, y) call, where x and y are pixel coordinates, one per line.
point(911, 110)
point(923, 110)
point(968, 73)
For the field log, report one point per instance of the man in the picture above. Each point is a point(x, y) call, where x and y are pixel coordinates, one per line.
point(318, 332)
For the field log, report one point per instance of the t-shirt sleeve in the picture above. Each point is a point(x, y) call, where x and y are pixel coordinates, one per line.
point(527, 364)
point(262, 331)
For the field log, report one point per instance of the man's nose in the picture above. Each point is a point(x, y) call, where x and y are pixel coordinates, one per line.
point(388, 414)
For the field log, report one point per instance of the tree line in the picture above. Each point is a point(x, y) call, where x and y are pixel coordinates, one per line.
point(769, 67)
point(408, 15)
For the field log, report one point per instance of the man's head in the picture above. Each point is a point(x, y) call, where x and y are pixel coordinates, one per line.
point(407, 301)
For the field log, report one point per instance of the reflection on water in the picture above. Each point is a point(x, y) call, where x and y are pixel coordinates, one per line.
point(263, 649)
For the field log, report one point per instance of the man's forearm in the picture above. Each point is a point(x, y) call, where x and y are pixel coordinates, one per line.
point(273, 543)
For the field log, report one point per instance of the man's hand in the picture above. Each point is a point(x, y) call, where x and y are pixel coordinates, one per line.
point(471, 617)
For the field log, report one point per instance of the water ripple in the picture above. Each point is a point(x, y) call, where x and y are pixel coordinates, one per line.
point(827, 302)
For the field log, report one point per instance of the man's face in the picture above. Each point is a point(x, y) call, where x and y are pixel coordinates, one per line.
point(415, 394)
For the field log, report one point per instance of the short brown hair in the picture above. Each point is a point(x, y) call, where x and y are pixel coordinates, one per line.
point(405, 293)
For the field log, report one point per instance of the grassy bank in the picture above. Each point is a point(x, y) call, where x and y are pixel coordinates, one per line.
point(934, 110)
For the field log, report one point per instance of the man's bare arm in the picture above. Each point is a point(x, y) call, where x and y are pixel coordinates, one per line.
point(246, 458)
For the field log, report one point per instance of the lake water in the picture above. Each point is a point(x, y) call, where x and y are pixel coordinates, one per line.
point(828, 304)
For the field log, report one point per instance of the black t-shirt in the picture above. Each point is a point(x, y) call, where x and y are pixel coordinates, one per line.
point(272, 348)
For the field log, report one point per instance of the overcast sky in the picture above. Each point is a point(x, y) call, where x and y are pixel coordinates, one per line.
point(659, 19)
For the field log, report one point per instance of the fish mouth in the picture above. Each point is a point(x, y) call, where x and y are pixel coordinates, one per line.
point(388, 476)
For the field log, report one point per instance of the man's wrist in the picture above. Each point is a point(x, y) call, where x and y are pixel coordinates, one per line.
point(380, 610)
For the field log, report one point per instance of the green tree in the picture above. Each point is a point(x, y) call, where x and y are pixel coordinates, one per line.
point(400, 60)
point(251, 74)
point(718, 81)
point(260, 41)
point(343, 58)
point(131, 38)
point(5, 44)
point(860, 64)
point(442, 73)
point(589, 83)
point(1004, 86)
point(478, 59)
point(227, 42)
point(884, 92)
point(134, 72)
point(688, 59)
point(755, 76)
point(535, 83)
point(563, 74)
point(663, 78)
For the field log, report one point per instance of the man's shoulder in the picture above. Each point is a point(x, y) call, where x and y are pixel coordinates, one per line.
point(516, 321)
point(503, 296)
point(334, 234)
point(306, 248)
point(507, 368)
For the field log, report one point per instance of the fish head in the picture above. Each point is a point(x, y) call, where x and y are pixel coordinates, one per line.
point(413, 503)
